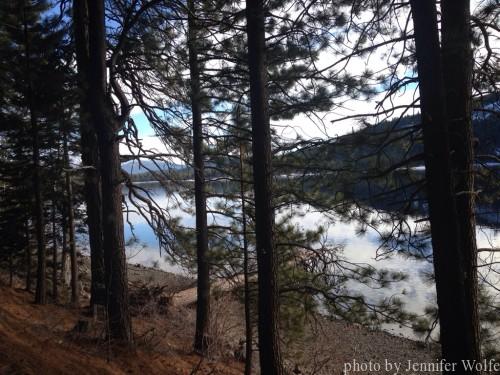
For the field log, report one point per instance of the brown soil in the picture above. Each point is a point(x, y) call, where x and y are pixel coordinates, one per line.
point(42, 339)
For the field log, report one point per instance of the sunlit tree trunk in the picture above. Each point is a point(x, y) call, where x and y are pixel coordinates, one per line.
point(65, 273)
point(75, 293)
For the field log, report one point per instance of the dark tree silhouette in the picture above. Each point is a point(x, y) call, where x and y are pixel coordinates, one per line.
point(457, 70)
point(107, 125)
point(268, 308)
point(203, 279)
point(89, 150)
point(456, 342)
point(41, 282)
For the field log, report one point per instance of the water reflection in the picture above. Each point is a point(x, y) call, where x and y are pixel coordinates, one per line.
point(416, 291)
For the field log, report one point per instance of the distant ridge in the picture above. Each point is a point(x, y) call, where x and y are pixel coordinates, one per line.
point(146, 165)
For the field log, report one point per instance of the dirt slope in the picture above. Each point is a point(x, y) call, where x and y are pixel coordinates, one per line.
point(39, 340)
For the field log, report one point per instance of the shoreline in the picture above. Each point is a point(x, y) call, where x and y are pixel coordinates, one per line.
point(182, 289)
point(323, 343)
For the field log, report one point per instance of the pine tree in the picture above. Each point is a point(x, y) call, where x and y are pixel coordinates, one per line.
point(449, 273)
point(36, 76)
point(268, 305)
point(107, 124)
point(457, 71)
point(203, 279)
point(90, 153)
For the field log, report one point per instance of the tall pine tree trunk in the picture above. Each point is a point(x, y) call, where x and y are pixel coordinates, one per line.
point(75, 293)
point(54, 251)
point(11, 269)
point(65, 251)
point(90, 153)
point(246, 278)
point(28, 256)
point(455, 342)
point(203, 280)
point(457, 69)
point(41, 282)
point(269, 343)
point(107, 127)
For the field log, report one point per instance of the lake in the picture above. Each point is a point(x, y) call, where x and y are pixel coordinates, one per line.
point(415, 291)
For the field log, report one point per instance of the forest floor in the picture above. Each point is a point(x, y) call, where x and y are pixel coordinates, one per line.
point(60, 339)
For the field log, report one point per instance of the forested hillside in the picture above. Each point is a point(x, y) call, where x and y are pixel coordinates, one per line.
point(363, 144)
point(368, 163)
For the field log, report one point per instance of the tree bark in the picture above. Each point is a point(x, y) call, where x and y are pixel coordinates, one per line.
point(11, 270)
point(457, 63)
point(54, 252)
point(64, 256)
point(246, 279)
point(28, 257)
point(41, 282)
point(203, 268)
point(455, 342)
point(268, 326)
point(90, 154)
point(107, 127)
point(75, 293)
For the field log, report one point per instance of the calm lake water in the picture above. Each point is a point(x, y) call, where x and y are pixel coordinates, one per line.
point(415, 292)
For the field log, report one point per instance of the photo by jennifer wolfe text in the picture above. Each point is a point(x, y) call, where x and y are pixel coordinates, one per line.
point(411, 367)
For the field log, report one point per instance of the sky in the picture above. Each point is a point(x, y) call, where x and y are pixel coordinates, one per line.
point(305, 126)
point(319, 125)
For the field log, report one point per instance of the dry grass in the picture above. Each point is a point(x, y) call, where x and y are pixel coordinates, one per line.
point(41, 340)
